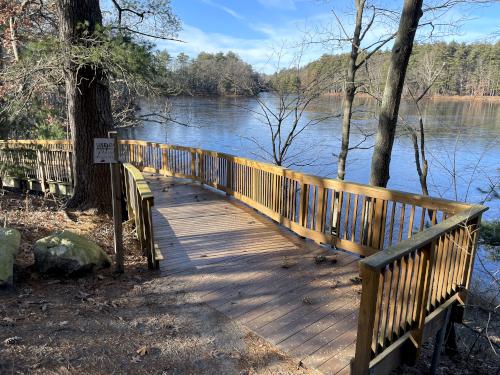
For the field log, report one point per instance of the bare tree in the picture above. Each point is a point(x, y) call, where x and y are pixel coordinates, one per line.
point(284, 111)
point(388, 114)
point(147, 18)
point(418, 135)
point(359, 57)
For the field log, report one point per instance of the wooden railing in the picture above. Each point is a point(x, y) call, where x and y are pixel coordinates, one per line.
point(355, 217)
point(139, 199)
point(407, 285)
point(43, 161)
point(420, 249)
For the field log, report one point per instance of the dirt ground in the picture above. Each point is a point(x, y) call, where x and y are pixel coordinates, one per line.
point(138, 322)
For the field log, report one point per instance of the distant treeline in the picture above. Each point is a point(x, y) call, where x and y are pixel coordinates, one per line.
point(208, 74)
point(461, 69)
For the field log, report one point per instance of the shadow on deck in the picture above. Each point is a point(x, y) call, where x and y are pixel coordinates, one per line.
point(262, 275)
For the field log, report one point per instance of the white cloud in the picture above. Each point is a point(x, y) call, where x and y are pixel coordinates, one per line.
point(224, 8)
point(261, 52)
point(255, 51)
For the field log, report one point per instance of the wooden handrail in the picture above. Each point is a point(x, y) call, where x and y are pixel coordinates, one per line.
point(401, 249)
point(139, 200)
point(429, 202)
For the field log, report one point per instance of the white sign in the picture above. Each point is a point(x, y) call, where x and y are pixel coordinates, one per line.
point(104, 150)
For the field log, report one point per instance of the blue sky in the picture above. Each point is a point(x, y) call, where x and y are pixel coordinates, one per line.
point(256, 29)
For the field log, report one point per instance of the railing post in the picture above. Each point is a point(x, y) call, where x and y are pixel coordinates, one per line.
point(41, 168)
point(202, 167)
point(164, 160)
point(116, 190)
point(366, 320)
point(140, 156)
point(229, 175)
point(422, 297)
point(377, 224)
point(148, 235)
point(193, 165)
point(131, 148)
point(471, 230)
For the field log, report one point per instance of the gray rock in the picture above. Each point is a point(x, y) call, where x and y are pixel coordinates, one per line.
point(69, 253)
point(10, 242)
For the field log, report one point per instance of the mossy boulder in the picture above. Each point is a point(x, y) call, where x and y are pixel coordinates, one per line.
point(69, 253)
point(10, 242)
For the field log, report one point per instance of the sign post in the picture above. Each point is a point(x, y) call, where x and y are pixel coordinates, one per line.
point(106, 152)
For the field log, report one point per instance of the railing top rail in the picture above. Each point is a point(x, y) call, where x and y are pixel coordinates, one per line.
point(142, 186)
point(379, 260)
point(35, 142)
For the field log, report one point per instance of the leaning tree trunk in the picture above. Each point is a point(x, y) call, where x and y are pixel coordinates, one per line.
point(388, 115)
point(89, 107)
point(350, 91)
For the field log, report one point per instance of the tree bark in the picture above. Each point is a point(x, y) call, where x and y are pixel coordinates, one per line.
point(89, 107)
point(350, 90)
point(389, 109)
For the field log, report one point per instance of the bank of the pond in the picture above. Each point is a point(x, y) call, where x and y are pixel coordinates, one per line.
point(435, 97)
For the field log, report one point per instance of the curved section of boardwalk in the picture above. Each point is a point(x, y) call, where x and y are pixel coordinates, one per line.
point(265, 277)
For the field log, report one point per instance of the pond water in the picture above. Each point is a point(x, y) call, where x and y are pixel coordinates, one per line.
point(462, 141)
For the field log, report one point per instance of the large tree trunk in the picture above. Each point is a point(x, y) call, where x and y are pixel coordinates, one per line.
point(89, 108)
point(350, 90)
point(388, 115)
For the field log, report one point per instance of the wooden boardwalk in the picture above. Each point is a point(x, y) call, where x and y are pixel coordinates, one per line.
point(260, 274)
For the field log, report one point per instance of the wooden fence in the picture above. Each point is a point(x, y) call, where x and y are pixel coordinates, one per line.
point(40, 162)
point(420, 250)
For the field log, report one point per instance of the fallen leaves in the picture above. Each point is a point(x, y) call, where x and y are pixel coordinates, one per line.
point(356, 280)
point(143, 350)
point(8, 321)
point(307, 301)
point(135, 359)
point(16, 340)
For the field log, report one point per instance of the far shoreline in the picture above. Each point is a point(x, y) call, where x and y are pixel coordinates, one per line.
point(458, 98)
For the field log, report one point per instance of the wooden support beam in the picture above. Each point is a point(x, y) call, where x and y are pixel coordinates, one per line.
point(116, 191)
